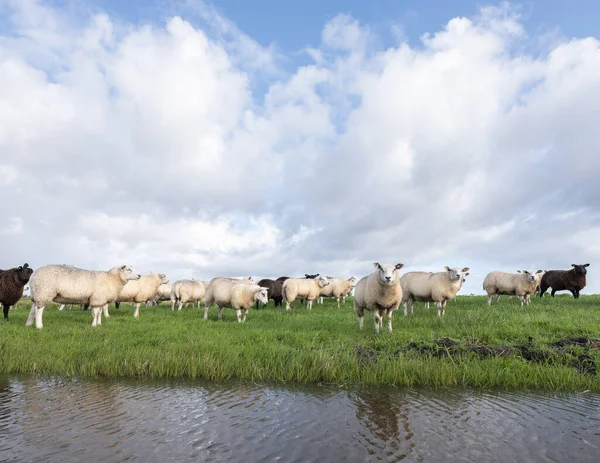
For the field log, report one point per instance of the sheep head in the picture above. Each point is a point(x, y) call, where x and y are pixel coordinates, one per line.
point(323, 281)
point(128, 273)
point(387, 273)
point(261, 295)
point(580, 269)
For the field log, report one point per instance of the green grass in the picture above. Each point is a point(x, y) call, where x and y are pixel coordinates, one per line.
point(321, 346)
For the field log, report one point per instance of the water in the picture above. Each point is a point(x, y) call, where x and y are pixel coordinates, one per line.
point(112, 421)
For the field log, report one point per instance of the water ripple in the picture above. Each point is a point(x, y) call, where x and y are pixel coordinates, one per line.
point(56, 420)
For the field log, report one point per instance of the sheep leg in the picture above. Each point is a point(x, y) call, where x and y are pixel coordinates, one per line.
point(245, 314)
point(219, 312)
point(490, 299)
point(377, 319)
point(179, 306)
point(136, 313)
point(444, 307)
point(60, 307)
point(5, 308)
point(239, 315)
point(411, 304)
point(287, 306)
point(31, 317)
point(439, 307)
point(39, 312)
point(117, 304)
point(309, 304)
point(553, 291)
point(96, 313)
point(172, 305)
point(105, 311)
point(360, 313)
point(574, 293)
point(389, 319)
point(206, 311)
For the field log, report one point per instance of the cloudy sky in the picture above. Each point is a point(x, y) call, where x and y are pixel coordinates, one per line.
point(202, 139)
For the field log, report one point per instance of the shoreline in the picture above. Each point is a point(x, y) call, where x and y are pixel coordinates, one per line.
point(552, 345)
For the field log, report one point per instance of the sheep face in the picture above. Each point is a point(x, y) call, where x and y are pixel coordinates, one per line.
point(456, 274)
point(24, 273)
point(128, 273)
point(353, 281)
point(262, 295)
point(580, 269)
point(388, 274)
point(323, 281)
point(163, 279)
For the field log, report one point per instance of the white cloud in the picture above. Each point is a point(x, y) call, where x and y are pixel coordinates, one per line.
point(148, 144)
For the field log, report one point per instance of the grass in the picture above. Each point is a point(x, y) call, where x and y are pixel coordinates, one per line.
point(547, 346)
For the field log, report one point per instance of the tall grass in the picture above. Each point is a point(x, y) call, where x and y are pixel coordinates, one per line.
point(323, 345)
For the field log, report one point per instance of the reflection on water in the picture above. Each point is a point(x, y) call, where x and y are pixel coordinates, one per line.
point(94, 420)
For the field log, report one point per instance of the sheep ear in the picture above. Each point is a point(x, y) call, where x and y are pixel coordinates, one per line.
point(540, 271)
point(19, 268)
point(27, 265)
point(447, 268)
point(466, 269)
point(467, 273)
point(376, 265)
point(585, 265)
point(399, 266)
point(123, 267)
point(573, 265)
point(518, 271)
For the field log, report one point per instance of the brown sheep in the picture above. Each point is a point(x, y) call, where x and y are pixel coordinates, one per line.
point(560, 280)
point(12, 282)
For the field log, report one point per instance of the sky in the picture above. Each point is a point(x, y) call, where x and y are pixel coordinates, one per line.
point(276, 138)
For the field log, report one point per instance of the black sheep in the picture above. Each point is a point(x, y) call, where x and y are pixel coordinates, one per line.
point(12, 282)
point(274, 290)
point(559, 280)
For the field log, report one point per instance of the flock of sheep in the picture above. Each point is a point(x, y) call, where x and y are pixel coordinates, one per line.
point(381, 292)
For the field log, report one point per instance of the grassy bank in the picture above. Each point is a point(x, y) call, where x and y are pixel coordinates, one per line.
point(549, 345)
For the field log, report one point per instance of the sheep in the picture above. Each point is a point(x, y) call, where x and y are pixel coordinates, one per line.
point(560, 280)
point(12, 284)
point(274, 288)
point(217, 292)
point(337, 288)
point(436, 287)
point(71, 285)
point(307, 288)
point(184, 291)
point(521, 284)
point(163, 293)
point(380, 293)
point(140, 290)
point(237, 294)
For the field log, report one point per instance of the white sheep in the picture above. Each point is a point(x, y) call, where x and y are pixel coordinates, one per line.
point(218, 292)
point(303, 288)
point(380, 292)
point(140, 291)
point(521, 284)
point(337, 288)
point(163, 293)
point(184, 291)
point(238, 295)
point(438, 287)
point(71, 285)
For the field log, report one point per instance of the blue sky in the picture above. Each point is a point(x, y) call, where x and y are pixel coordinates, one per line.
point(293, 25)
point(215, 143)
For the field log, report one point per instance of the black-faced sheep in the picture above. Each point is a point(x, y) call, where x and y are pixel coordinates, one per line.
point(560, 280)
point(12, 283)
